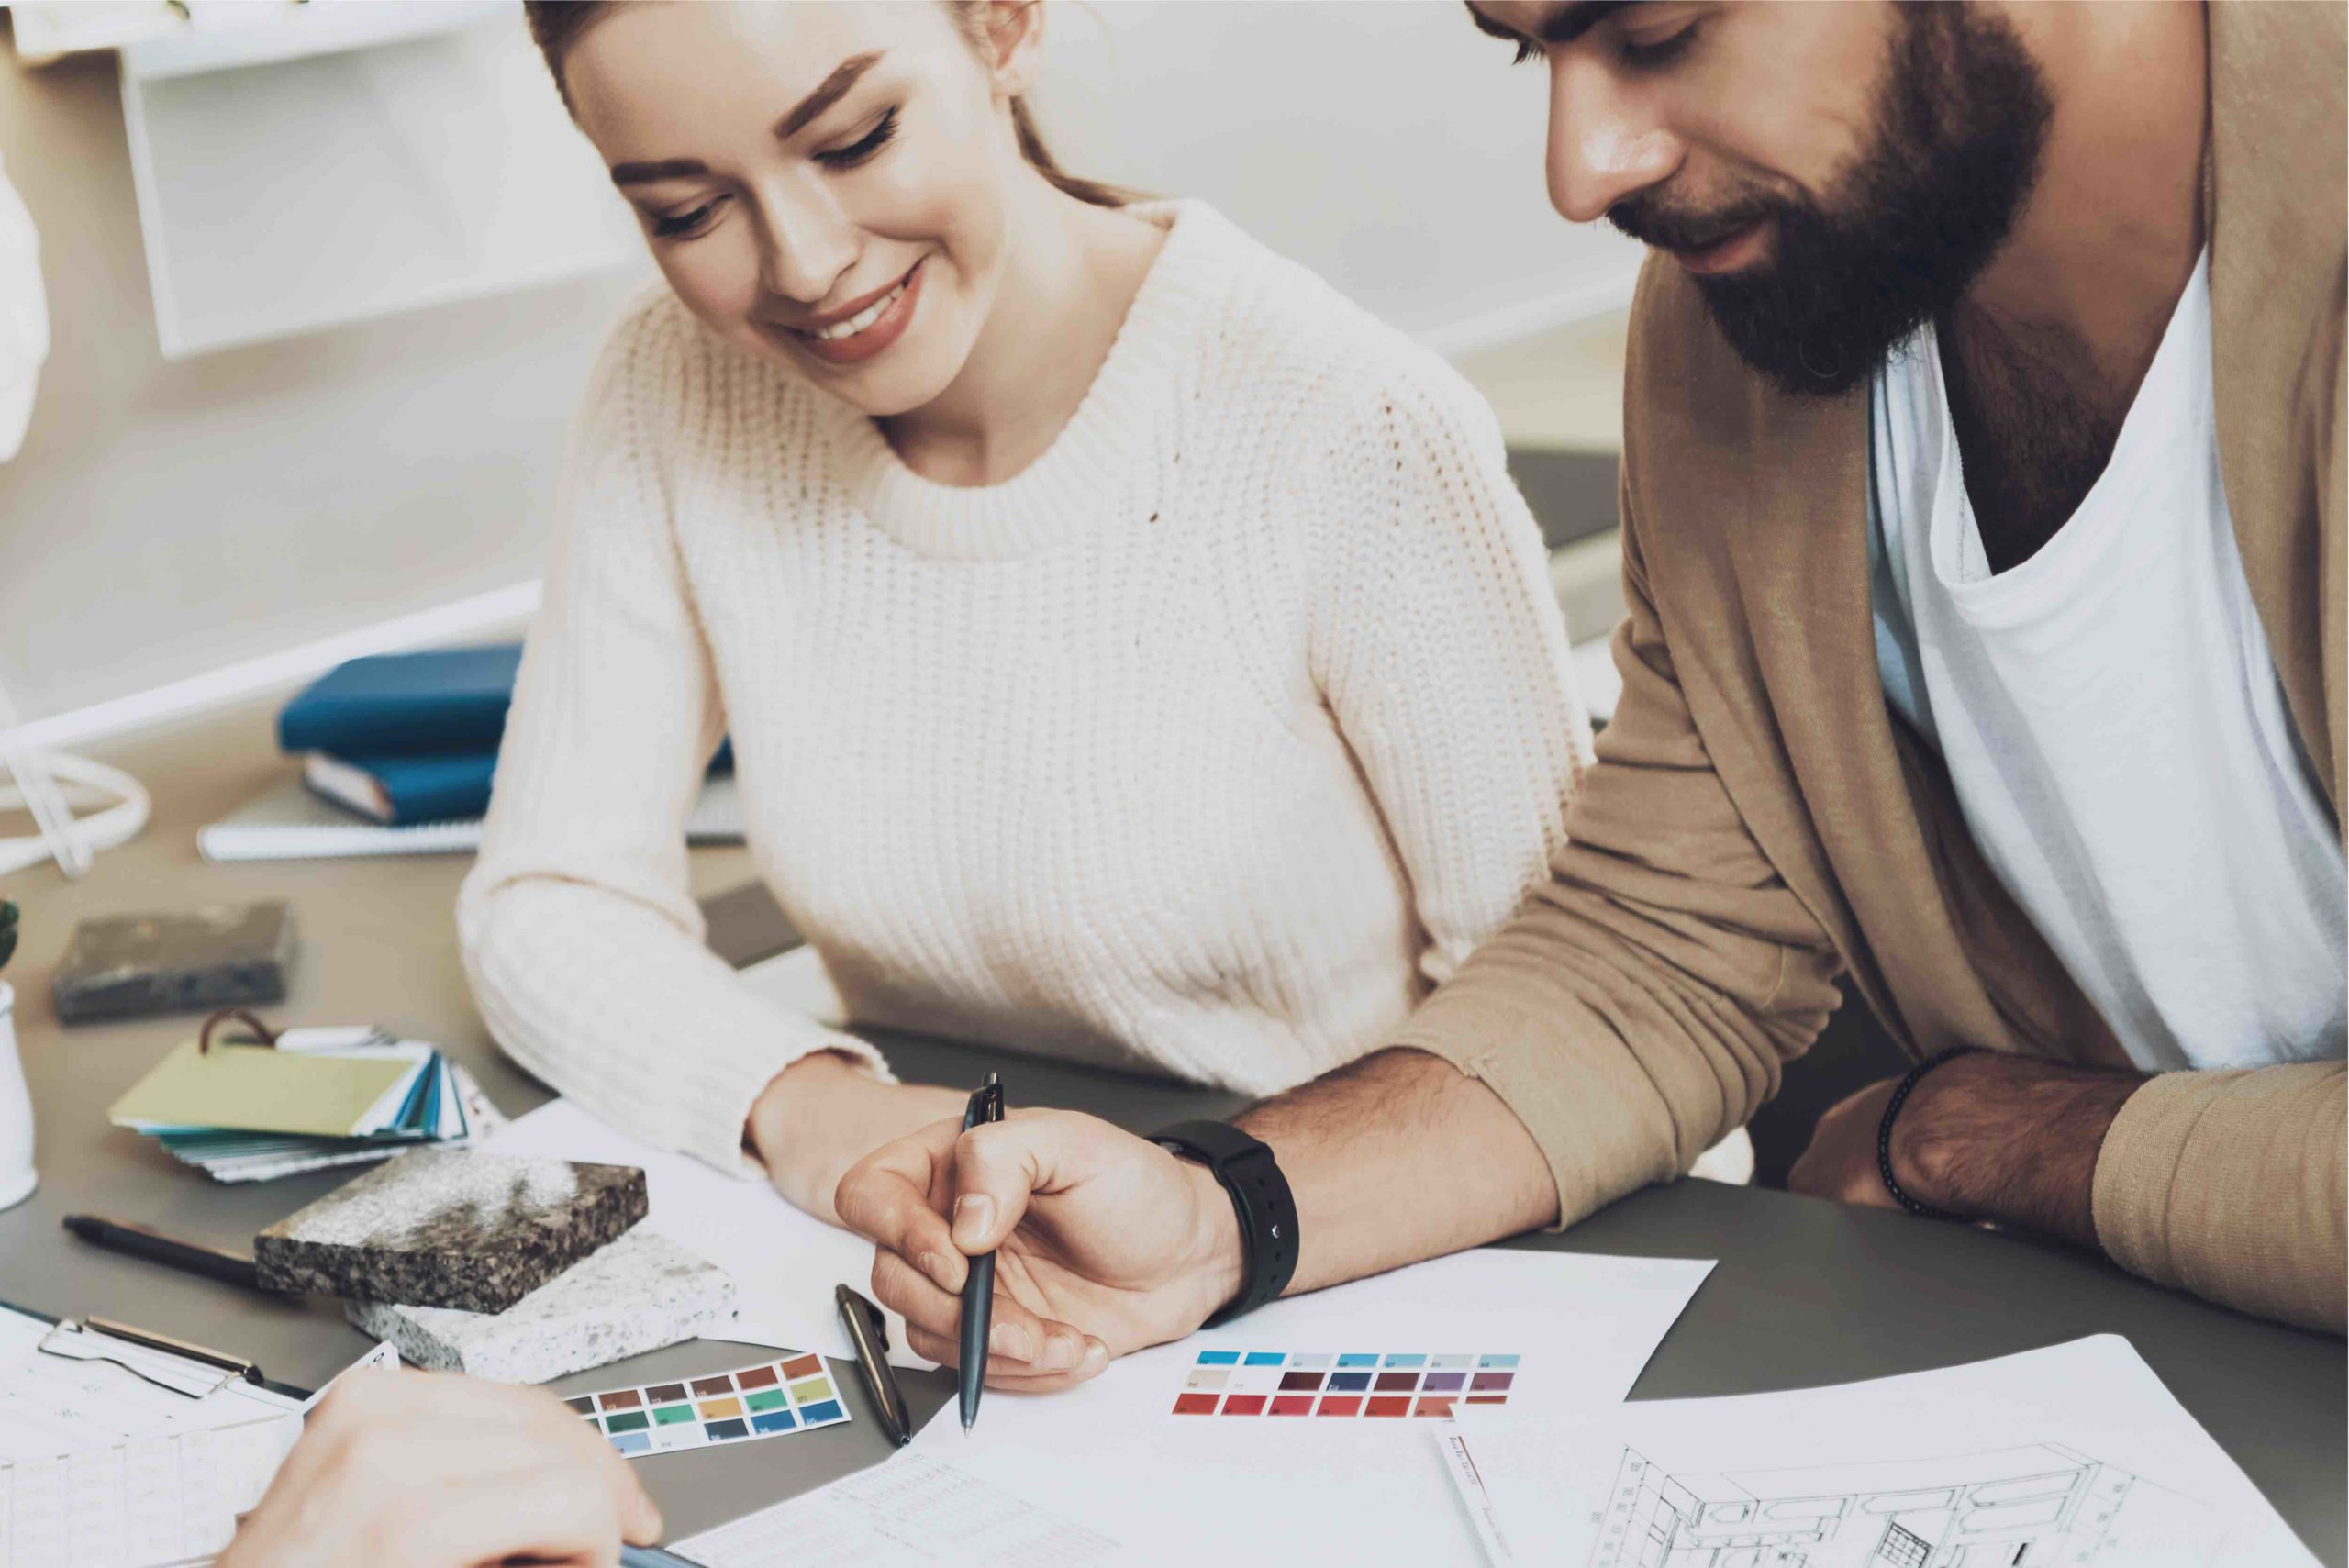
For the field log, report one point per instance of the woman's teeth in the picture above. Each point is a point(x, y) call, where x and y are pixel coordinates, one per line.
point(860, 321)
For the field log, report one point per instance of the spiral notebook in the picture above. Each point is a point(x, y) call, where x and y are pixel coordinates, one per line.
point(290, 823)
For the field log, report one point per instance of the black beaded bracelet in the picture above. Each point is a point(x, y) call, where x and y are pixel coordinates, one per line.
point(1884, 1131)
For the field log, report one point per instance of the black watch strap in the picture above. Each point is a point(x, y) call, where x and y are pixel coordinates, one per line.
point(1260, 1195)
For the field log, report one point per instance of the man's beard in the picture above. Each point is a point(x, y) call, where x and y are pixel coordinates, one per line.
point(1959, 127)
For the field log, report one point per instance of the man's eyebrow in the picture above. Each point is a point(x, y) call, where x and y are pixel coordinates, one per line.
point(1564, 24)
point(828, 93)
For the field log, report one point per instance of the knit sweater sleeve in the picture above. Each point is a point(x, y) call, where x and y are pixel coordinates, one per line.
point(579, 931)
point(1438, 645)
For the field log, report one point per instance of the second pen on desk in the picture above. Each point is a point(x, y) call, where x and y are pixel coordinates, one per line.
point(978, 1288)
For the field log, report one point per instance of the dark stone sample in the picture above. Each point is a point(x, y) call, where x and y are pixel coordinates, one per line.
point(452, 1228)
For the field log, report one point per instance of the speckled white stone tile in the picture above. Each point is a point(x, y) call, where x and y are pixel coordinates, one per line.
point(639, 1294)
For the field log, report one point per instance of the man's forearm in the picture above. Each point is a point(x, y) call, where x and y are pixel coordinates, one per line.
point(1400, 1157)
point(2010, 1139)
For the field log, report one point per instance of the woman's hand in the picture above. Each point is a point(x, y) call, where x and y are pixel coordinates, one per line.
point(414, 1470)
point(824, 1113)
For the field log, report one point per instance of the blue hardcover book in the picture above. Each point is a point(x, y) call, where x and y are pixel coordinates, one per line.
point(441, 700)
point(403, 791)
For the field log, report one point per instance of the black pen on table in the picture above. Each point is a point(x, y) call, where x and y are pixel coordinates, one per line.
point(868, 1332)
point(139, 1241)
point(978, 1288)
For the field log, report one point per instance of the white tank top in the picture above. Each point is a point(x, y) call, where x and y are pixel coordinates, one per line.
point(2112, 720)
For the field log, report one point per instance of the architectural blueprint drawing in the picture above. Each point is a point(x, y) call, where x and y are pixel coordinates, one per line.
point(2037, 1506)
point(2070, 1456)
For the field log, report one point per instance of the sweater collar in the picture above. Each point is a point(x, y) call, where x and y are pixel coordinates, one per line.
point(1077, 481)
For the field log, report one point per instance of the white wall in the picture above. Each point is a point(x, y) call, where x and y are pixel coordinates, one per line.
point(1385, 145)
point(165, 520)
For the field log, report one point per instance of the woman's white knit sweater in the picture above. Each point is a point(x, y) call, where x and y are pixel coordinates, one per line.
point(1209, 743)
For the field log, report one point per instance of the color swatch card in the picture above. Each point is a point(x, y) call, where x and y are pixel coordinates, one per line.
point(771, 1399)
point(1356, 1385)
point(1301, 1432)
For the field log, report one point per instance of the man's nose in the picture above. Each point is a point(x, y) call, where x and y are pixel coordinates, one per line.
point(1604, 145)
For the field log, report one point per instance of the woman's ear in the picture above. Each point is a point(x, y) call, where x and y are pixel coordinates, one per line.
point(1014, 32)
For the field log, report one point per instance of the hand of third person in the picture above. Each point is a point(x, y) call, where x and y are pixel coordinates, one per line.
point(1104, 1243)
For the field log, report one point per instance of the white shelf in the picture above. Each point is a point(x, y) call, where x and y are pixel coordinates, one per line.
point(266, 32)
point(383, 156)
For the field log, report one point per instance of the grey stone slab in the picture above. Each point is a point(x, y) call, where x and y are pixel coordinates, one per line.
point(452, 1228)
point(641, 1293)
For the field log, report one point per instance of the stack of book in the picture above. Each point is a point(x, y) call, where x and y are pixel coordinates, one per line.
point(397, 752)
point(318, 1097)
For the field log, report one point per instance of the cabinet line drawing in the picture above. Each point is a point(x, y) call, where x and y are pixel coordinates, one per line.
point(2032, 1506)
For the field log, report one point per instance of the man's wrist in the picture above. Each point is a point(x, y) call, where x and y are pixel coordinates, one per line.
point(1991, 1136)
point(1216, 1265)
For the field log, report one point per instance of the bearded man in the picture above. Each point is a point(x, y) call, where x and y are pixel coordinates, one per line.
point(1983, 534)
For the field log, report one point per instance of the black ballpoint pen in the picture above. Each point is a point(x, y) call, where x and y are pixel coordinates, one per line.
point(139, 1241)
point(978, 1288)
point(868, 1332)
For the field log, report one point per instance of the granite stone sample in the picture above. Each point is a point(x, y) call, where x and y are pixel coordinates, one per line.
point(639, 1294)
point(452, 1228)
point(123, 965)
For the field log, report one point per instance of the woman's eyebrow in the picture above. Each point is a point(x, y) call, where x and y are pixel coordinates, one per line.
point(828, 93)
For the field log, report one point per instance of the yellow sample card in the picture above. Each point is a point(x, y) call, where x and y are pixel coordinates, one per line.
point(260, 1090)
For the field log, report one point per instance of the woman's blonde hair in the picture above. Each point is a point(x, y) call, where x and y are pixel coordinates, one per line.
point(557, 25)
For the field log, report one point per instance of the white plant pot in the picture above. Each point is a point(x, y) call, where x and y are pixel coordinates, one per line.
point(17, 1177)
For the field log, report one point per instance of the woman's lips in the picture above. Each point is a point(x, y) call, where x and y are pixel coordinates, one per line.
point(885, 328)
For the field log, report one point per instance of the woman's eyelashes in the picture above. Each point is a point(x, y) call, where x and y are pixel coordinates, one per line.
point(685, 224)
point(883, 130)
point(696, 220)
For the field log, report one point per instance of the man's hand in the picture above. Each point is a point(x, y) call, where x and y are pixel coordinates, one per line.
point(1986, 1137)
point(1104, 1243)
point(412, 1470)
point(824, 1113)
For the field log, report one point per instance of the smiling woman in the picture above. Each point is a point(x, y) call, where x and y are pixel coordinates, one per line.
point(1133, 651)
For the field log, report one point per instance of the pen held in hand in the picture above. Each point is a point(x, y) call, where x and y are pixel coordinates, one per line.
point(978, 1288)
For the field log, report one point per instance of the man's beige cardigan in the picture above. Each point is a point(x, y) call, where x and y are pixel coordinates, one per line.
point(1759, 823)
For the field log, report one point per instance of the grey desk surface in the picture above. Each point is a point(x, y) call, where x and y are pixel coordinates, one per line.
point(1806, 1292)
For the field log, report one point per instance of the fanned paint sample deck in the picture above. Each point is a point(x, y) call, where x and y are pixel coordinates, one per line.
point(769, 1400)
point(1359, 1384)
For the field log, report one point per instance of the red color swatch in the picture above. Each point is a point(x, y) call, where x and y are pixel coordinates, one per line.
point(1349, 1405)
point(1292, 1405)
point(1434, 1408)
point(1195, 1404)
point(1394, 1406)
point(1245, 1405)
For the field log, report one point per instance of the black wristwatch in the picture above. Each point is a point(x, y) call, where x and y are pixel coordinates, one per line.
point(1260, 1195)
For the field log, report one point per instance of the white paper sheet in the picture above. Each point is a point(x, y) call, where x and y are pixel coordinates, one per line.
point(2064, 1457)
point(1113, 1456)
point(784, 1262)
point(910, 1512)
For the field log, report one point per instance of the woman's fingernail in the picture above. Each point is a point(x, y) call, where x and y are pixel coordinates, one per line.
point(974, 1212)
point(1061, 1353)
point(935, 1267)
point(1096, 1355)
point(1010, 1342)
